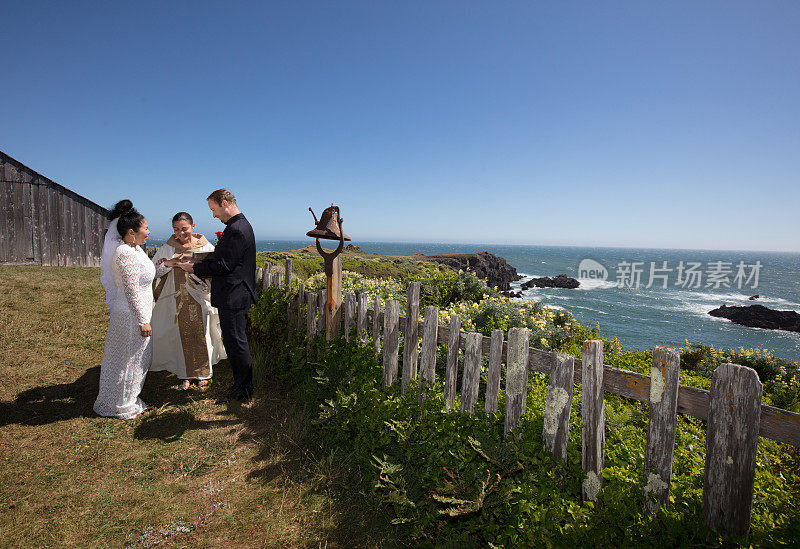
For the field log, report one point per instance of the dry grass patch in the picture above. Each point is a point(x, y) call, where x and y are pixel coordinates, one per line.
point(189, 474)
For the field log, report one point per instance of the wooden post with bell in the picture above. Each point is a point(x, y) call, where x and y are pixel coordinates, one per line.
point(333, 316)
point(329, 227)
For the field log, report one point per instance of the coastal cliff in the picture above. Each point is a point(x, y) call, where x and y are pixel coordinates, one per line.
point(494, 269)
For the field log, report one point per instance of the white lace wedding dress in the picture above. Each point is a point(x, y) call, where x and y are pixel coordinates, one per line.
point(127, 355)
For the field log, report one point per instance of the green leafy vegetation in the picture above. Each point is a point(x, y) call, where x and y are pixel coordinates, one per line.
point(306, 262)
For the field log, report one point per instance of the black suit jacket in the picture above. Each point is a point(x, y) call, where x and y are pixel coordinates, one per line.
point(232, 268)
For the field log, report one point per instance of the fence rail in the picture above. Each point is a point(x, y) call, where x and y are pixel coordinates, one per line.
point(732, 408)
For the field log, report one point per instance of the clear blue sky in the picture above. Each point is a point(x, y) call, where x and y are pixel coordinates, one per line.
point(656, 124)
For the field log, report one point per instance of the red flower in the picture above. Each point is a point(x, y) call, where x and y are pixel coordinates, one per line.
point(219, 235)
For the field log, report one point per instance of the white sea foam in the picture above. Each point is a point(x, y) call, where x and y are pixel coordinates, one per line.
point(599, 311)
point(595, 284)
point(713, 297)
point(731, 298)
point(778, 302)
point(585, 283)
point(697, 308)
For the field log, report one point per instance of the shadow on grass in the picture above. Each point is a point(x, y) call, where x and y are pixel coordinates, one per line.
point(171, 425)
point(53, 403)
point(64, 401)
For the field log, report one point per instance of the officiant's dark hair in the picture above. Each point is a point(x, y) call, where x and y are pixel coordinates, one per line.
point(183, 216)
point(129, 217)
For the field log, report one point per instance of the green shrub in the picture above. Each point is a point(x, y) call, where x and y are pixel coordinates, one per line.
point(451, 479)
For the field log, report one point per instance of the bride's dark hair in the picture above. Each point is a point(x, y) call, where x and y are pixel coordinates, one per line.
point(129, 217)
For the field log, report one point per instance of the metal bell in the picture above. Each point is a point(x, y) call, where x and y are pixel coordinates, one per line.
point(328, 225)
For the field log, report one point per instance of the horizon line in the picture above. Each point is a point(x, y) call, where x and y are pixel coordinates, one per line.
point(467, 243)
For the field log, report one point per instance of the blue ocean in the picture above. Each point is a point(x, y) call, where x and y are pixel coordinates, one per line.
point(696, 281)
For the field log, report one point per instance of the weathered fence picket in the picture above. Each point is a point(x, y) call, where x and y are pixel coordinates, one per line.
point(349, 314)
point(558, 406)
point(731, 439)
point(265, 278)
point(361, 323)
point(299, 305)
point(391, 340)
point(429, 336)
point(470, 383)
point(322, 312)
point(259, 277)
point(376, 324)
point(451, 371)
point(493, 375)
point(593, 439)
point(661, 428)
point(311, 312)
point(287, 276)
point(411, 340)
point(516, 376)
point(290, 302)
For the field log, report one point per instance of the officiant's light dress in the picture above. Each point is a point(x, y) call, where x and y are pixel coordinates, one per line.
point(126, 355)
point(187, 340)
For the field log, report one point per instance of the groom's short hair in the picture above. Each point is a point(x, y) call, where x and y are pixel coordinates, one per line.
point(222, 194)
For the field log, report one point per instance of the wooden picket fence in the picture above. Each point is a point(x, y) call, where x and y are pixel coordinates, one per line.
point(732, 408)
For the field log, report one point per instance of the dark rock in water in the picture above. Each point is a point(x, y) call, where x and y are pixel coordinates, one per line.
point(560, 281)
point(753, 297)
point(352, 248)
point(511, 293)
point(492, 268)
point(758, 316)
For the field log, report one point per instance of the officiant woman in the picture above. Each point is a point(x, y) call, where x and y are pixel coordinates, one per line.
point(186, 333)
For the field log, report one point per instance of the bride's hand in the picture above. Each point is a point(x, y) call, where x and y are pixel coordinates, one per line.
point(146, 330)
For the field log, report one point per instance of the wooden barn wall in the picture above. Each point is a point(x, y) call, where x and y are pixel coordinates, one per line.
point(42, 222)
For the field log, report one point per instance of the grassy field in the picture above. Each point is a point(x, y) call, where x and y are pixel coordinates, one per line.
point(189, 474)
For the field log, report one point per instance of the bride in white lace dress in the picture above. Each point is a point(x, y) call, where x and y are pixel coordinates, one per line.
point(127, 276)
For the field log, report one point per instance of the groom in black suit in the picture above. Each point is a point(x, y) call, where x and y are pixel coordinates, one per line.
point(232, 270)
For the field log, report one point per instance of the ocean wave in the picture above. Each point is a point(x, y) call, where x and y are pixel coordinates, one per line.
point(595, 284)
point(697, 308)
point(599, 311)
point(778, 302)
point(585, 283)
point(711, 296)
point(737, 298)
